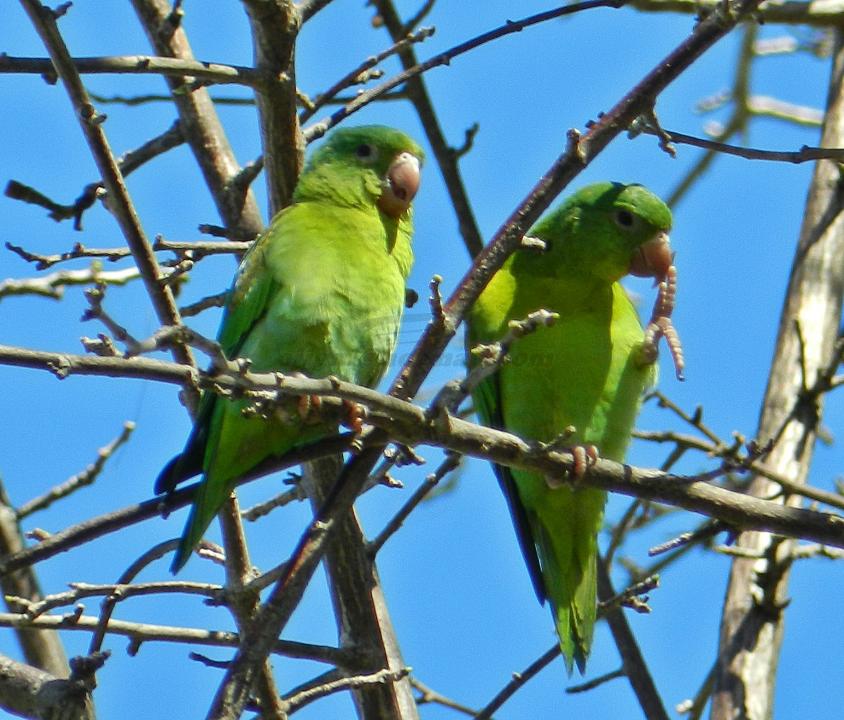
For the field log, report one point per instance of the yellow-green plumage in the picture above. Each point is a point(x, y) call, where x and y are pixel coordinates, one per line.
point(584, 371)
point(320, 293)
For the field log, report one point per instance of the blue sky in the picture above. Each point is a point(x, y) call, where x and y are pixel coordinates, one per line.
point(461, 600)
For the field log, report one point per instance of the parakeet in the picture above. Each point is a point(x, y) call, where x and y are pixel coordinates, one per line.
point(321, 292)
point(587, 370)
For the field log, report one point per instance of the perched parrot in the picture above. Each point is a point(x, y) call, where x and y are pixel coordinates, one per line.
point(587, 371)
point(321, 292)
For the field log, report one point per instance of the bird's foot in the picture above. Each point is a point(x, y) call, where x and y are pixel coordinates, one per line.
point(354, 416)
point(661, 326)
point(309, 409)
point(306, 409)
point(583, 457)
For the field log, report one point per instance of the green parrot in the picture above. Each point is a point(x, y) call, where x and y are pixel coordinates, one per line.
point(587, 371)
point(321, 292)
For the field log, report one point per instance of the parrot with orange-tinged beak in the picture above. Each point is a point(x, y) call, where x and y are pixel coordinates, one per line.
point(321, 293)
point(580, 380)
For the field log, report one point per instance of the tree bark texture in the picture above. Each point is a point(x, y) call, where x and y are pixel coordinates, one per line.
point(753, 614)
point(363, 621)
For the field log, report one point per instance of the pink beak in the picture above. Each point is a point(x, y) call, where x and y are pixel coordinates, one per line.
point(652, 258)
point(402, 183)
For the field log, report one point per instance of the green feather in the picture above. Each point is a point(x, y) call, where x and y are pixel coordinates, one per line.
point(584, 371)
point(321, 292)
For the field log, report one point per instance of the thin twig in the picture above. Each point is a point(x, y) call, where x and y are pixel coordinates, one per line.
point(98, 526)
point(80, 480)
point(633, 663)
point(596, 682)
point(354, 76)
point(447, 158)
point(319, 129)
point(428, 695)
point(53, 285)
point(208, 72)
point(79, 591)
point(42, 262)
point(147, 632)
point(120, 203)
point(128, 162)
point(805, 154)
point(451, 462)
point(518, 681)
point(305, 697)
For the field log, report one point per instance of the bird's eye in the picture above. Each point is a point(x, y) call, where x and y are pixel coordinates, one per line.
point(365, 151)
point(624, 218)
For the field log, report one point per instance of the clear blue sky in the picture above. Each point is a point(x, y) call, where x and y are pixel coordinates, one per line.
point(461, 600)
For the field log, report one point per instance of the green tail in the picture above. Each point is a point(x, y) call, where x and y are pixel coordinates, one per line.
point(565, 530)
point(191, 536)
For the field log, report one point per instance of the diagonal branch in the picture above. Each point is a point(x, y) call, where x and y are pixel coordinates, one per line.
point(446, 156)
point(361, 611)
point(275, 26)
point(634, 666)
point(42, 648)
point(128, 162)
point(752, 621)
point(511, 26)
point(201, 125)
point(120, 203)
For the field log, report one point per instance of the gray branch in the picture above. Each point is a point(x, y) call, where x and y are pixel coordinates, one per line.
point(201, 125)
point(752, 621)
point(363, 618)
point(32, 693)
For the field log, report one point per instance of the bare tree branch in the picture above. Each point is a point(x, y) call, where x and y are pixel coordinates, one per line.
point(633, 663)
point(816, 13)
point(447, 157)
point(28, 692)
point(308, 8)
point(178, 68)
point(319, 129)
point(752, 621)
point(128, 162)
point(361, 611)
point(518, 681)
point(140, 633)
point(354, 76)
point(275, 26)
point(804, 154)
point(79, 480)
point(356, 682)
point(53, 285)
point(411, 425)
point(120, 203)
point(42, 648)
point(201, 125)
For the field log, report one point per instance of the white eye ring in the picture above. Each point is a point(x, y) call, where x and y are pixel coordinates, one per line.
point(366, 152)
point(624, 218)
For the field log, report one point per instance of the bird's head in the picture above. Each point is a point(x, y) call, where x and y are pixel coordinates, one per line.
point(609, 230)
point(362, 165)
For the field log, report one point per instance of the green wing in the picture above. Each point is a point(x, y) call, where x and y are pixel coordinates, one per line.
point(247, 302)
point(248, 298)
point(582, 372)
point(487, 399)
point(320, 293)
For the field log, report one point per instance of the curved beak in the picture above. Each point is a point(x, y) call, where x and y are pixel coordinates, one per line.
point(652, 258)
point(401, 184)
